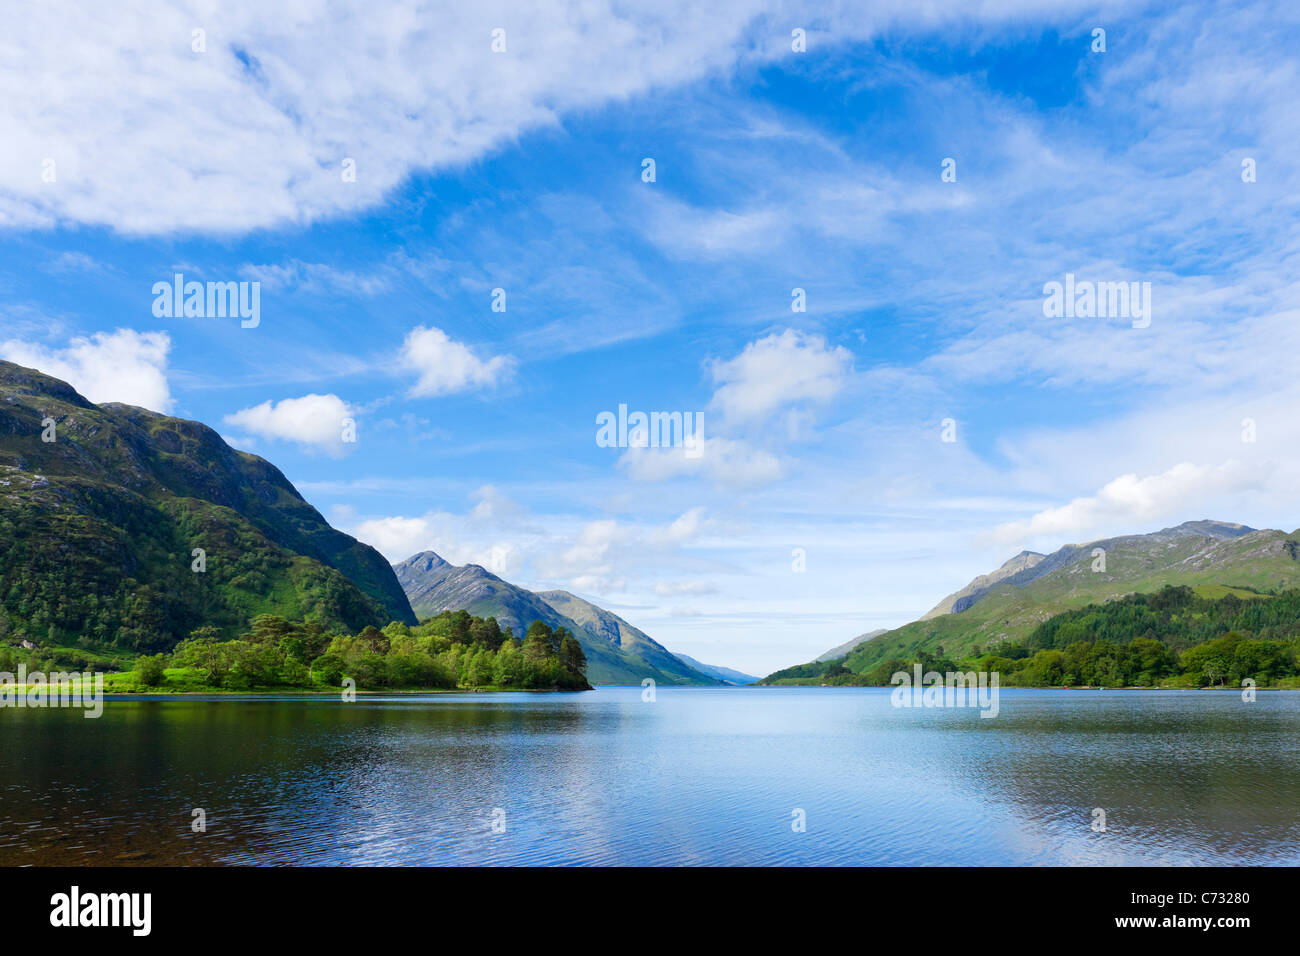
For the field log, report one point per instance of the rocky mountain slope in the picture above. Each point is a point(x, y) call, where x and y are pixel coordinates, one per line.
point(617, 652)
point(103, 506)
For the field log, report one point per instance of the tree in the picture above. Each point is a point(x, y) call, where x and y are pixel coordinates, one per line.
point(539, 643)
point(370, 670)
point(328, 669)
point(486, 632)
point(479, 671)
point(149, 671)
point(508, 670)
point(269, 629)
point(459, 623)
point(1211, 662)
point(376, 639)
point(293, 648)
point(572, 656)
point(1149, 661)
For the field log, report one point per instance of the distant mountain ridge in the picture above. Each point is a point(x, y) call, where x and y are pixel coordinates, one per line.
point(843, 649)
point(725, 674)
point(1010, 601)
point(617, 652)
point(1028, 566)
point(107, 511)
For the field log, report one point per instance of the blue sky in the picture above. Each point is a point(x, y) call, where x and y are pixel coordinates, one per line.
point(775, 170)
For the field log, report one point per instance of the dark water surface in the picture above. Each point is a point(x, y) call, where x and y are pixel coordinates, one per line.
point(697, 776)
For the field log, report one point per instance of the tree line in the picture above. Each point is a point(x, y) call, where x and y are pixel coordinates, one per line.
point(452, 650)
point(1168, 638)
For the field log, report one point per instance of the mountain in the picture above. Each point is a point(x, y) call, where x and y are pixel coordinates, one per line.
point(617, 652)
point(724, 674)
point(1213, 557)
point(432, 585)
point(1210, 556)
point(102, 507)
point(617, 632)
point(960, 600)
point(843, 649)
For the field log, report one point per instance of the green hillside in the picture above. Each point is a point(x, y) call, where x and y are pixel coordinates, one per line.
point(99, 526)
point(1213, 558)
point(1259, 560)
point(1174, 637)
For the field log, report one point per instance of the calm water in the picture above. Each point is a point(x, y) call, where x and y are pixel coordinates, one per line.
point(698, 776)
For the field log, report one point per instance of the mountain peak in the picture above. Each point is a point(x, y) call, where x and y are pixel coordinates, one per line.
point(19, 380)
point(1022, 556)
point(959, 600)
point(424, 561)
point(1210, 529)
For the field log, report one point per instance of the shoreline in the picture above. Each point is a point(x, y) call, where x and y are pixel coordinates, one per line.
point(156, 692)
point(1054, 687)
point(163, 694)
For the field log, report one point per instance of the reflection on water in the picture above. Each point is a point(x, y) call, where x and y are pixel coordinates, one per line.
point(698, 776)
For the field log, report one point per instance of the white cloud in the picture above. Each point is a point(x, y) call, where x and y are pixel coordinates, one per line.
point(495, 533)
point(396, 537)
point(253, 131)
point(312, 421)
point(683, 528)
point(278, 102)
point(777, 371)
point(727, 462)
point(446, 366)
point(121, 366)
point(777, 376)
point(591, 549)
point(1129, 501)
point(598, 556)
point(492, 505)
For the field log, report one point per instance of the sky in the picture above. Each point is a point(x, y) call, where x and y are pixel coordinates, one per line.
point(838, 263)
